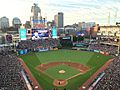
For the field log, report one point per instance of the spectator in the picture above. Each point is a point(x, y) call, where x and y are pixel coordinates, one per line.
point(111, 79)
point(10, 77)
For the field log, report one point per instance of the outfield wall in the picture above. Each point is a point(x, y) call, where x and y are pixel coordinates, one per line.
point(25, 51)
point(96, 51)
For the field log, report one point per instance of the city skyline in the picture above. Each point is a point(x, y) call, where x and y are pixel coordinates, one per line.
point(74, 11)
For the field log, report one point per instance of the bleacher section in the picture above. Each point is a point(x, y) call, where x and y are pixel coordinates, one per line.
point(10, 72)
point(105, 48)
point(37, 45)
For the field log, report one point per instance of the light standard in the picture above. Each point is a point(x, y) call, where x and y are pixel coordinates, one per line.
point(90, 34)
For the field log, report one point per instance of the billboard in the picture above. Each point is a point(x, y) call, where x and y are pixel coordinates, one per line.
point(23, 33)
point(54, 32)
point(80, 33)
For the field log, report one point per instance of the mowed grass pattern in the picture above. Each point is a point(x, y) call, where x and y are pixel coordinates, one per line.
point(69, 72)
point(64, 55)
point(90, 59)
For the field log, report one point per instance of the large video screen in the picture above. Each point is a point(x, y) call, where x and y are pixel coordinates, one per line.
point(37, 34)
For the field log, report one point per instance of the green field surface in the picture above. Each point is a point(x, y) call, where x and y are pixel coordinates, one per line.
point(90, 59)
point(54, 72)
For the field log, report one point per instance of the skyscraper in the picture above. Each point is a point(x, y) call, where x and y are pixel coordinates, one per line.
point(60, 20)
point(56, 20)
point(36, 11)
point(16, 22)
point(36, 15)
point(4, 23)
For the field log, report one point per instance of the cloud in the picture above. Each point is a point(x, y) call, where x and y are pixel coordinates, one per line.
point(81, 10)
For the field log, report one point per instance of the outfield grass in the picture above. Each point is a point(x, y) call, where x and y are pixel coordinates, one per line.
point(90, 59)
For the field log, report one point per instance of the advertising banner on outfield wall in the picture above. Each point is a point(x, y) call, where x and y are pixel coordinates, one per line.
point(101, 52)
point(96, 51)
point(43, 49)
point(107, 53)
point(23, 52)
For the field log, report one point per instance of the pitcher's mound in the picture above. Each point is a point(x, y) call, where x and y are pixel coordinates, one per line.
point(60, 82)
point(61, 71)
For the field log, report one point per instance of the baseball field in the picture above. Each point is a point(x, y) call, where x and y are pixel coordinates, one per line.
point(63, 69)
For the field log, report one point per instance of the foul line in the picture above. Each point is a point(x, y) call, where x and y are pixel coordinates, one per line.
point(35, 83)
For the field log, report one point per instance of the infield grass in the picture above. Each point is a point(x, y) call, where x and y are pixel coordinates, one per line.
point(69, 72)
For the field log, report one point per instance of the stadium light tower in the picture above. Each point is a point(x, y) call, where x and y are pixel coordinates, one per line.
point(109, 16)
point(109, 19)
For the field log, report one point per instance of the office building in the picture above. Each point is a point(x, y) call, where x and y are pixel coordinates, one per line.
point(36, 15)
point(4, 23)
point(60, 20)
point(16, 22)
point(56, 20)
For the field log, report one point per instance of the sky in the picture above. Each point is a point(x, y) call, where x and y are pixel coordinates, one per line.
point(74, 10)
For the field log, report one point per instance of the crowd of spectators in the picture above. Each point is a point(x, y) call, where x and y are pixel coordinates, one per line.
point(41, 43)
point(113, 40)
point(10, 66)
point(112, 49)
point(10, 76)
point(111, 79)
